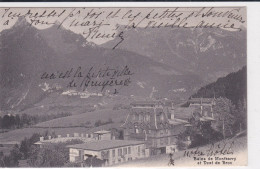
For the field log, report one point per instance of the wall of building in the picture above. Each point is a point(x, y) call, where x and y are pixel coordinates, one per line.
point(106, 136)
point(171, 149)
point(127, 153)
point(74, 155)
point(93, 153)
point(116, 155)
point(156, 139)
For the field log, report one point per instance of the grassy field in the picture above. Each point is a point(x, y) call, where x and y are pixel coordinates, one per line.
point(56, 103)
point(81, 119)
point(76, 123)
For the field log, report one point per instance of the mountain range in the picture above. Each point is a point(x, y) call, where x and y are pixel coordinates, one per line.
point(166, 64)
point(208, 52)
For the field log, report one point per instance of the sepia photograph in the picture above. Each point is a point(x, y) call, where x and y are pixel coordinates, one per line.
point(123, 86)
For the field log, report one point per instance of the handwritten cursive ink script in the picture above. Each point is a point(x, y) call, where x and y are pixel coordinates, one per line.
point(92, 77)
point(213, 150)
point(100, 25)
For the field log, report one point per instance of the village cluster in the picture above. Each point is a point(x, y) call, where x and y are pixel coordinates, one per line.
point(150, 128)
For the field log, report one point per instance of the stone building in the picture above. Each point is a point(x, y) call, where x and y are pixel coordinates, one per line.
point(149, 121)
point(84, 137)
point(203, 106)
point(108, 151)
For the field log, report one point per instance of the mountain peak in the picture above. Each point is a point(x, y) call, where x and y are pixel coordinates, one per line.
point(21, 21)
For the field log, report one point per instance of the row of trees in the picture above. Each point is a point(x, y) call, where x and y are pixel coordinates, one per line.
point(101, 123)
point(232, 87)
point(18, 152)
point(50, 155)
point(229, 120)
point(24, 120)
point(230, 111)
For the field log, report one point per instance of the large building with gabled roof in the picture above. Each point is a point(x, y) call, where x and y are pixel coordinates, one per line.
point(149, 121)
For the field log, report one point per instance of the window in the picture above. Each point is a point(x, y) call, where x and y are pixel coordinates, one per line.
point(124, 151)
point(161, 132)
point(139, 150)
point(129, 150)
point(119, 152)
point(113, 153)
point(173, 140)
point(147, 117)
point(161, 141)
point(136, 130)
point(161, 117)
point(166, 140)
point(136, 116)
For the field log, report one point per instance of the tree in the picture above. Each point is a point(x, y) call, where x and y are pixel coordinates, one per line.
point(33, 159)
point(15, 155)
point(2, 163)
point(25, 147)
point(240, 117)
point(51, 155)
point(224, 115)
point(12, 121)
point(98, 123)
point(11, 160)
point(6, 121)
point(93, 161)
point(25, 120)
point(17, 121)
point(1, 122)
point(34, 138)
point(53, 134)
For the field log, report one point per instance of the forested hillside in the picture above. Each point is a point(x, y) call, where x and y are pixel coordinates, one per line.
point(233, 87)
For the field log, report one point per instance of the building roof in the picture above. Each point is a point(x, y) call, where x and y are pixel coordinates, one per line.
point(201, 100)
point(206, 118)
point(183, 112)
point(102, 132)
point(177, 121)
point(64, 139)
point(147, 103)
point(147, 117)
point(10, 142)
point(105, 144)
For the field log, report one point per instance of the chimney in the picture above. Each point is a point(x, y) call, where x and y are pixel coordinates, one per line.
point(49, 137)
point(68, 135)
point(41, 138)
point(172, 116)
point(188, 138)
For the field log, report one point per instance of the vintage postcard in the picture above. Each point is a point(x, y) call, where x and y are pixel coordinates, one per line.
point(123, 87)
